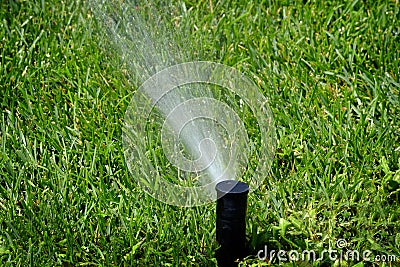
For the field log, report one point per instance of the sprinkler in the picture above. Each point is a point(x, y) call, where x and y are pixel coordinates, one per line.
point(231, 222)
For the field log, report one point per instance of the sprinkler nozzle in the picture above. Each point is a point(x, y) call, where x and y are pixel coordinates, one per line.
point(231, 222)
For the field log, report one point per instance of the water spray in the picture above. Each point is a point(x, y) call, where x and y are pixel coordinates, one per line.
point(197, 112)
point(207, 128)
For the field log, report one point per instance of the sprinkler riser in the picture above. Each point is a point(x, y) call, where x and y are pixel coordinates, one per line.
point(231, 222)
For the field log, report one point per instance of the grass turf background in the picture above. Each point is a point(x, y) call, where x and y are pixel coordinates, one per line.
point(330, 70)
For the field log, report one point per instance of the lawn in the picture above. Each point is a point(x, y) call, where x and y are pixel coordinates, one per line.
point(329, 69)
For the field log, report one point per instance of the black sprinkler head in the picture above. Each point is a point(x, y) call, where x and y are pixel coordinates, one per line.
point(231, 222)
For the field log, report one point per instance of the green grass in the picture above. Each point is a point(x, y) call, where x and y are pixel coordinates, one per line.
point(330, 70)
